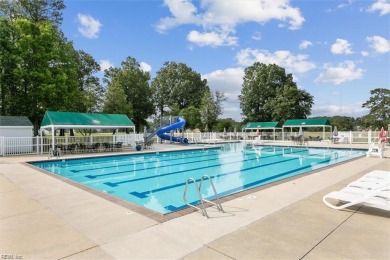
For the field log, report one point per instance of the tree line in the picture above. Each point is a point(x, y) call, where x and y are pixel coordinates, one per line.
point(40, 70)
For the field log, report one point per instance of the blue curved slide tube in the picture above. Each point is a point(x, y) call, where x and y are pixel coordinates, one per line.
point(180, 123)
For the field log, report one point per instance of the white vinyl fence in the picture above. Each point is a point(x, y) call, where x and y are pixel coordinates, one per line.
point(36, 145)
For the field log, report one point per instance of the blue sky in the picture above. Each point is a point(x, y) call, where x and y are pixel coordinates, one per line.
point(336, 50)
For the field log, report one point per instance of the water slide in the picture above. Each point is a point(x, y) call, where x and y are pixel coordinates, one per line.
point(180, 123)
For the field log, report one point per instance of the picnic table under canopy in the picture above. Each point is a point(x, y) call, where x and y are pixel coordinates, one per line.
point(73, 120)
point(305, 123)
point(259, 126)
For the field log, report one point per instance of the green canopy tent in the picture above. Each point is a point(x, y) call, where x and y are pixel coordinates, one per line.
point(304, 123)
point(73, 120)
point(263, 126)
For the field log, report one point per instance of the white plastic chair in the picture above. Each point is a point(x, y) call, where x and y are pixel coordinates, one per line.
point(376, 149)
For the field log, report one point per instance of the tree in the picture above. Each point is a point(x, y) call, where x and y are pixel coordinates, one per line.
point(8, 64)
point(89, 84)
point(289, 102)
point(134, 83)
point(192, 116)
point(43, 73)
point(227, 124)
point(211, 108)
point(33, 10)
point(39, 68)
point(177, 86)
point(116, 102)
point(265, 91)
point(379, 106)
point(343, 123)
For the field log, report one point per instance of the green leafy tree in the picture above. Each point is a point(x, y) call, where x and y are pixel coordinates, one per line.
point(33, 10)
point(177, 86)
point(343, 123)
point(192, 117)
point(89, 84)
point(269, 94)
point(379, 106)
point(39, 68)
point(134, 83)
point(8, 64)
point(211, 108)
point(289, 102)
point(116, 102)
point(227, 124)
point(43, 74)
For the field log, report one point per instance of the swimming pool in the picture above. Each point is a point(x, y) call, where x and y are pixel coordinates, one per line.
point(156, 180)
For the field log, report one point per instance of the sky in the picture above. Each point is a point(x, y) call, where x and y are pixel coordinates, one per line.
point(338, 51)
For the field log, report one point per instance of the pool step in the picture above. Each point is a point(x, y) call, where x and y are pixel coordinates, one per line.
point(202, 209)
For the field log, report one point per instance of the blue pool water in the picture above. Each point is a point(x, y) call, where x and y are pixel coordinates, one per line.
point(157, 180)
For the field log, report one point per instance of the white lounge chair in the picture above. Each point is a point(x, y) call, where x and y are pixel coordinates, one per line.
point(376, 149)
point(372, 180)
point(379, 174)
point(371, 198)
point(383, 193)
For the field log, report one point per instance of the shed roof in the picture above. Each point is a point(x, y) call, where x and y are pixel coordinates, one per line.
point(85, 120)
point(313, 122)
point(262, 125)
point(15, 121)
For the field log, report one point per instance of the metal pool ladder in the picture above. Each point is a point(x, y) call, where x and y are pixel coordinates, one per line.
point(202, 209)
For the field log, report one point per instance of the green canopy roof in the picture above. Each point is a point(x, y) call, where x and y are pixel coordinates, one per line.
point(85, 120)
point(313, 122)
point(262, 125)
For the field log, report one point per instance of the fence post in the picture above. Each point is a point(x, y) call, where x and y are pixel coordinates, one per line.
point(350, 137)
point(369, 136)
point(36, 141)
point(2, 145)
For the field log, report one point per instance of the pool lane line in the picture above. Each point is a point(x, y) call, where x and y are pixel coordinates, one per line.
point(181, 171)
point(144, 194)
point(205, 167)
point(149, 168)
point(245, 186)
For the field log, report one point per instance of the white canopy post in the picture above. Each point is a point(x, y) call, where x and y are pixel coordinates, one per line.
point(323, 132)
point(52, 137)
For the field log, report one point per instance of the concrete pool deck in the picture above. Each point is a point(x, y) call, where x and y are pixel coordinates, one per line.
point(42, 217)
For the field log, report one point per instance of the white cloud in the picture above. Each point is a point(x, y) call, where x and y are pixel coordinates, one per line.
point(379, 44)
point(223, 16)
point(305, 44)
point(291, 62)
point(228, 81)
point(350, 110)
point(341, 46)
point(211, 38)
point(183, 12)
point(105, 65)
point(365, 53)
point(89, 26)
point(342, 5)
point(145, 67)
point(343, 72)
point(383, 6)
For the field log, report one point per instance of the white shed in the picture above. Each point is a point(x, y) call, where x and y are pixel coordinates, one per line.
point(16, 135)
